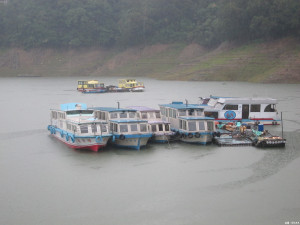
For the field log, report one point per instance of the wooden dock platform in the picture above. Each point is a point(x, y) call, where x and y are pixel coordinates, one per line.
point(230, 141)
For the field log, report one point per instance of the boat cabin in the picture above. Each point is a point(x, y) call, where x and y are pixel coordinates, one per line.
point(77, 119)
point(246, 109)
point(172, 112)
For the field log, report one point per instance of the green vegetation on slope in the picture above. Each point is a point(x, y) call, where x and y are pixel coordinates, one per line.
point(276, 61)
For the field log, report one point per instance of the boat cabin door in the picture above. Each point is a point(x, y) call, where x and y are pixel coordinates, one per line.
point(245, 111)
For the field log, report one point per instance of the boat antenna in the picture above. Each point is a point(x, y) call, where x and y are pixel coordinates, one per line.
point(186, 102)
point(281, 126)
point(118, 105)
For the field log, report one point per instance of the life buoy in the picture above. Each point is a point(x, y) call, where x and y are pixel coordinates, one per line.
point(98, 139)
point(67, 137)
point(62, 134)
point(190, 135)
point(53, 131)
point(122, 137)
point(197, 135)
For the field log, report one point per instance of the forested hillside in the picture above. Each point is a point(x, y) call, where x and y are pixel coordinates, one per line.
point(126, 23)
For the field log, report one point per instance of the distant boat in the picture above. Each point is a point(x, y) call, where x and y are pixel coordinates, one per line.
point(91, 86)
point(75, 125)
point(131, 85)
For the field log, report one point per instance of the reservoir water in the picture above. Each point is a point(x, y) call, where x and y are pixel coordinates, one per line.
point(44, 182)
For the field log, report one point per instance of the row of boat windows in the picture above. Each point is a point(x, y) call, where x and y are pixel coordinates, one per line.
point(253, 108)
point(196, 125)
point(160, 127)
point(150, 115)
point(58, 115)
point(174, 113)
point(116, 115)
point(126, 115)
point(124, 128)
point(84, 129)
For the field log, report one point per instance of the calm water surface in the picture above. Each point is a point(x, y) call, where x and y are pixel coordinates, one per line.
point(44, 182)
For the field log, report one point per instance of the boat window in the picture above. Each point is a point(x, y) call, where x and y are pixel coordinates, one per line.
point(123, 115)
point(144, 116)
point(54, 115)
point(94, 128)
point(102, 116)
point(184, 125)
point(231, 107)
point(84, 129)
point(90, 85)
point(199, 112)
point(192, 126)
point(143, 127)
point(211, 114)
point(131, 114)
point(270, 108)
point(123, 128)
point(167, 127)
point(69, 126)
point(163, 110)
point(181, 113)
point(201, 125)
point(75, 112)
point(115, 127)
point(151, 115)
point(153, 128)
point(157, 114)
point(74, 128)
point(255, 108)
point(113, 115)
point(174, 113)
point(133, 127)
point(61, 124)
point(103, 127)
point(191, 112)
point(160, 127)
point(210, 125)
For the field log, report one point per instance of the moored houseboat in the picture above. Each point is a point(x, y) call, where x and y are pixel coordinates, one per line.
point(189, 122)
point(127, 130)
point(245, 110)
point(161, 130)
point(75, 125)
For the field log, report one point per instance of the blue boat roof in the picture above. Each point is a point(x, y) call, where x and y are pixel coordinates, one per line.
point(181, 105)
point(143, 109)
point(196, 118)
point(129, 121)
point(112, 109)
point(72, 106)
